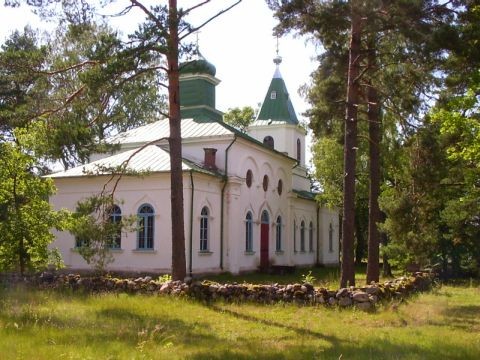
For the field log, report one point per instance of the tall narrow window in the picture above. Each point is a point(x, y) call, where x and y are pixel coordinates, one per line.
point(273, 95)
point(146, 227)
point(204, 229)
point(310, 237)
point(278, 235)
point(299, 150)
point(80, 242)
point(330, 238)
point(265, 218)
point(116, 220)
point(302, 236)
point(249, 232)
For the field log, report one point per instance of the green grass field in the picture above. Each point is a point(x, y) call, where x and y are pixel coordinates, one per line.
point(443, 324)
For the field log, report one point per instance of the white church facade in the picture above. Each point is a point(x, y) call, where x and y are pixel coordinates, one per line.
point(247, 199)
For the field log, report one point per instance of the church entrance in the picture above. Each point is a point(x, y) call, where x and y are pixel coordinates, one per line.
point(264, 239)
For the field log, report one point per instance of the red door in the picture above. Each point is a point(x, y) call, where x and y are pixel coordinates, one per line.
point(264, 246)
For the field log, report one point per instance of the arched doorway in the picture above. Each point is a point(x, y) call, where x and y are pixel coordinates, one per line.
point(264, 239)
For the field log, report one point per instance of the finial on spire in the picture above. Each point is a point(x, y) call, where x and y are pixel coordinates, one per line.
point(197, 46)
point(277, 59)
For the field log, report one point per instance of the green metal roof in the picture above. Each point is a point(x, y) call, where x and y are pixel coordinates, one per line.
point(307, 195)
point(151, 158)
point(277, 105)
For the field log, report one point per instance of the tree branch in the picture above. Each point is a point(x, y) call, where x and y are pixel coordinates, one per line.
point(195, 29)
point(148, 13)
point(186, 12)
point(73, 67)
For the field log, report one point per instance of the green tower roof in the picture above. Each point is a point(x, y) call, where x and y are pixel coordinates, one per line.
point(197, 90)
point(277, 105)
point(199, 65)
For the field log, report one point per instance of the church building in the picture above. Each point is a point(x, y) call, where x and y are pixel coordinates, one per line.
point(247, 197)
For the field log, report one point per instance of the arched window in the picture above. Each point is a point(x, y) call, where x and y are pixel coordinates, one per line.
point(249, 178)
point(299, 150)
point(146, 227)
point(116, 220)
point(268, 141)
point(265, 183)
point(310, 237)
point(204, 229)
point(330, 238)
point(278, 235)
point(280, 187)
point(249, 232)
point(302, 236)
point(265, 218)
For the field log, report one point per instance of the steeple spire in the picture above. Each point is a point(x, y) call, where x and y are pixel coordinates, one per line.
point(277, 105)
point(277, 60)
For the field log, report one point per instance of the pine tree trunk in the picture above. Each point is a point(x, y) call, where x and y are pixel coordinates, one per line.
point(373, 266)
point(175, 142)
point(350, 147)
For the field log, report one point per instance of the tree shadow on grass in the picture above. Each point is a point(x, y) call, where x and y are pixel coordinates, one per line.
point(464, 317)
point(298, 330)
point(375, 347)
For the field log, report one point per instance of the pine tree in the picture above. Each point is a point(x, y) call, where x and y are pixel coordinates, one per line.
point(155, 48)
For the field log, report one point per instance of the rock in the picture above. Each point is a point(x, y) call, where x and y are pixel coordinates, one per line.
point(332, 301)
point(345, 301)
point(360, 296)
point(342, 292)
point(365, 306)
point(372, 290)
point(165, 288)
point(308, 286)
point(47, 276)
point(330, 293)
point(147, 279)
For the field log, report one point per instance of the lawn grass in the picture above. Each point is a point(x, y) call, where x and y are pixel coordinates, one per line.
point(324, 276)
point(34, 324)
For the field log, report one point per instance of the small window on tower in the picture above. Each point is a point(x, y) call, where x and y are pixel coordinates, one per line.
point(273, 95)
point(268, 141)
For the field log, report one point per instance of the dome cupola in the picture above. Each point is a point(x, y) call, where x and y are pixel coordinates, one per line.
point(199, 65)
point(197, 89)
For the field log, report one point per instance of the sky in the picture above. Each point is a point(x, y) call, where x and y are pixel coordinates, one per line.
point(239, 43)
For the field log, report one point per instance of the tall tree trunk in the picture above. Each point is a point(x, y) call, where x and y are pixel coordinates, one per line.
point(175, 141)
point(374, 121)
point(350, 147)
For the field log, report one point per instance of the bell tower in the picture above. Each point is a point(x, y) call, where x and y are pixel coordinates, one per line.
point(277, 124)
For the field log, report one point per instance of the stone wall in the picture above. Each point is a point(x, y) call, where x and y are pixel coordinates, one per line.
point(364, 298)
